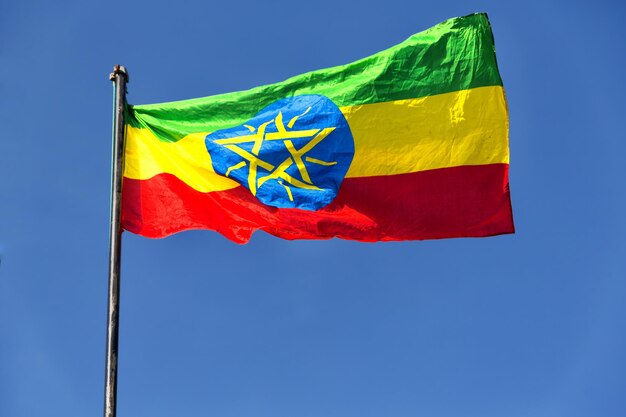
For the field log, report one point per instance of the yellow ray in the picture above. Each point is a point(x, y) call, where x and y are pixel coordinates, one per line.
point(235, 167)
point(319, 161)
point(293, 119)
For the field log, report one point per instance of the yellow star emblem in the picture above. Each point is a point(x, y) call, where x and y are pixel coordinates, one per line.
point(278, 172)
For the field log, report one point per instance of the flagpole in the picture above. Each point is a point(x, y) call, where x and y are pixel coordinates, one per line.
point(119, 76)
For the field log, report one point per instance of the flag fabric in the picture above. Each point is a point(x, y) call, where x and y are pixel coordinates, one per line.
point(408, 144)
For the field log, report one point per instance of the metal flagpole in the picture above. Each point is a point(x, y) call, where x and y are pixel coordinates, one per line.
point(119, 76)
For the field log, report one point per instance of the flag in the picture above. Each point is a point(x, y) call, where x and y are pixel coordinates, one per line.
point(408, 144)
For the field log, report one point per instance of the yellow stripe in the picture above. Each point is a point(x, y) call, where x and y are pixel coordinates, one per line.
point(188, 159)
point(468, 127)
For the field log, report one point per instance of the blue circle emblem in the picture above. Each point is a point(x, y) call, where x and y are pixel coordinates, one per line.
point(293, 154)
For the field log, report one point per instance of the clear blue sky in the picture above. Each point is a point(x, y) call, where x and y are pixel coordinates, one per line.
point(531, 324)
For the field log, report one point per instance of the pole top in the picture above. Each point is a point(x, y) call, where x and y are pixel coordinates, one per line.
point(118, 70)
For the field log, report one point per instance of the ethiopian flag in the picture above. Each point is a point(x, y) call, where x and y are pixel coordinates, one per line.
point(409, 143)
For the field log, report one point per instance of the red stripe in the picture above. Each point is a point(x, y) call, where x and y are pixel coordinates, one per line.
point(450, 202)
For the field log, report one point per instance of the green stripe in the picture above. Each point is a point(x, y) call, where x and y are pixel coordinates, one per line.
point(457, 54)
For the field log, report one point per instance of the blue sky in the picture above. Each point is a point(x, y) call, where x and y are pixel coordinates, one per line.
point(530, 324)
